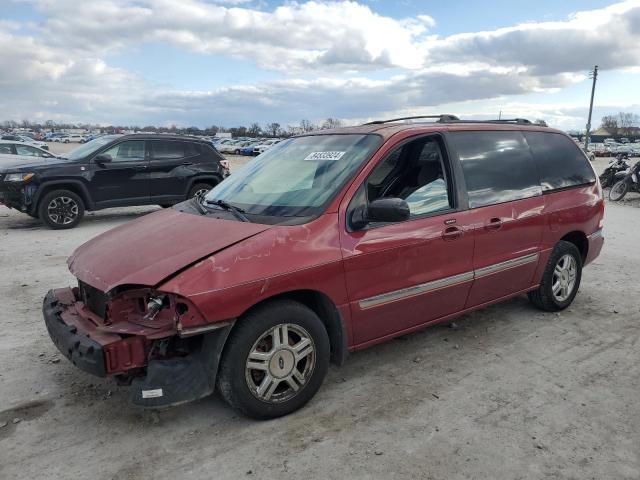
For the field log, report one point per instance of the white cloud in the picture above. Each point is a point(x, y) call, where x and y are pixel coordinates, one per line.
point(324, 50)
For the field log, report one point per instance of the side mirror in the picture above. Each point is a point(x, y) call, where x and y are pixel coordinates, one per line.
point(381, 210)
point(103, 158)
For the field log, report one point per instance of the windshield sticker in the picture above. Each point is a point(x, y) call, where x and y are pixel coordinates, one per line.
point(325, 156)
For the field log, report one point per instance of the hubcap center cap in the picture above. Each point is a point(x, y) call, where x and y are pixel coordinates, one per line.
point(282, 363)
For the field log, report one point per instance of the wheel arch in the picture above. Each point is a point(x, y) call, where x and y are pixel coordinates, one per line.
point(74, 186)
point(326, 310)
point(579, 239)
point(211, 179)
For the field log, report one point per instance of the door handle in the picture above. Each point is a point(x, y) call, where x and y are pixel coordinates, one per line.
point(494, 224)
point(452, 233)
point(186, 164)
point(140, 167)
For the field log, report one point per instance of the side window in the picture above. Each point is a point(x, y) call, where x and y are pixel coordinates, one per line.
point(167, 149)
point(27, 150)
point(5, 148)
point(130, 151)
point(560, 162)
point(497, 166)
point(414, 172)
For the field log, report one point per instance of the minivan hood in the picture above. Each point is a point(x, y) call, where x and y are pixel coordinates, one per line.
point(148, 250)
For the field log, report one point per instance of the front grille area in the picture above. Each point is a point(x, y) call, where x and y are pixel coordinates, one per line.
point(93, 298)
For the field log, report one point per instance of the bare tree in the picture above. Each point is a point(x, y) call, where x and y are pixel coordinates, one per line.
point(627, 122)
point(273, 129)
point(540, 122)
point(307, 126)
point(331, 123)
point(610, 124)
point(254, 130)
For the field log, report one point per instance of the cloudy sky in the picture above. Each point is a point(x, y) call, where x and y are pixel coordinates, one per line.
point(232, 62)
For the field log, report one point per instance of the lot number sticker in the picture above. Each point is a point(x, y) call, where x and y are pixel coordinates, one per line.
point(325, 156)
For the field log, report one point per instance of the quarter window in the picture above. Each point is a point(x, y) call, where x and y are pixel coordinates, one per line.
point(497, 166)
point(415, 173)
point(130, 151)
point(560, 162)
point(5, 148)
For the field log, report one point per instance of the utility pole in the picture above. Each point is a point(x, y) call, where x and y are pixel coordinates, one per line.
point(594, 75)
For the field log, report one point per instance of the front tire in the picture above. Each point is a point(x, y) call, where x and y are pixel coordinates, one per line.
point(560, 280)
point(275, 360)
point(61, 209)
point(618, 191)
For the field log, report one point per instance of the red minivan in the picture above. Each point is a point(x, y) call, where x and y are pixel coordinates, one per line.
point(325, 244)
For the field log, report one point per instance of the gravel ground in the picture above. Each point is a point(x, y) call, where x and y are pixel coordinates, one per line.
point(507, 392)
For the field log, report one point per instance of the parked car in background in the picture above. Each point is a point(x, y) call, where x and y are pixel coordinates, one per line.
point(26, 140)
point(332, 242)
point(75, 137)
point(263, 147)
point(10, 147)
point(111, 171)
point(232, 147)
point(249, 149)
point(60, 138)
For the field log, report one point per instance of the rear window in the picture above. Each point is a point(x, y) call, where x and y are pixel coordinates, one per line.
point(560, 162)
point(166, 150)
point(497, 166)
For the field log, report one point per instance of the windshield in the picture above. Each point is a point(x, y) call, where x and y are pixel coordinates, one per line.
point(89, 147)
point(296, 177)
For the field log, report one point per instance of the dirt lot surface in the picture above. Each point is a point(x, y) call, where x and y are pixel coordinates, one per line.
point(505, 393)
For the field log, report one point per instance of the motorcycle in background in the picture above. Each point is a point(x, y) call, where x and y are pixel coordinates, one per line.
point(630, 183)
point(617, 165)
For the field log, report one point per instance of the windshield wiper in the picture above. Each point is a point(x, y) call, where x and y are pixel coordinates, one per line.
point(199, 206)
point(236, 211)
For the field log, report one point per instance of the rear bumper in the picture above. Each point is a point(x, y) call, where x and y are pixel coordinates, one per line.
point(596, 241)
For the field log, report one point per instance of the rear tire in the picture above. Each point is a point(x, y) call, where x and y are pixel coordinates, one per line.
point(560, 280)
point(199, 190)
point(61, 209)
point(618, 191)
point(274, 361)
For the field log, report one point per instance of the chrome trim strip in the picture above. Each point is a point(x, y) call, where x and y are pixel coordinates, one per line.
point(596, 234)
point(414, 290)
point(498, 267)
point(189, 332)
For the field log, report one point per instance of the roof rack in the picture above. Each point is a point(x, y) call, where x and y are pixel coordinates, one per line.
point(443, 118)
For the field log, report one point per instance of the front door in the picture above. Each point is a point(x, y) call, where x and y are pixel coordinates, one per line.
point(400, 276)
point(124, 180)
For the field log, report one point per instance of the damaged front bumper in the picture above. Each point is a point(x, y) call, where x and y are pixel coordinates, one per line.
point(96, 349)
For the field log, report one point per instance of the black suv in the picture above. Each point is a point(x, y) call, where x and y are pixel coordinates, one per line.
point(111, 171)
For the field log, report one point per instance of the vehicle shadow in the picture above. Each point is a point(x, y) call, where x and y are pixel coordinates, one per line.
point(19, 221)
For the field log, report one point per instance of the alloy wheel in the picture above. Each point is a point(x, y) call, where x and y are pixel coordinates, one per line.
point(564, 277)
point(280, 363)
point(62, 210)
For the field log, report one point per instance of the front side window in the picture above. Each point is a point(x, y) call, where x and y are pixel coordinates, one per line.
point(129, 151)
point(560, 162)
point(414, 172)
point(90, 147)
point(167, 150)
point(296, 177)
point(497, 166)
